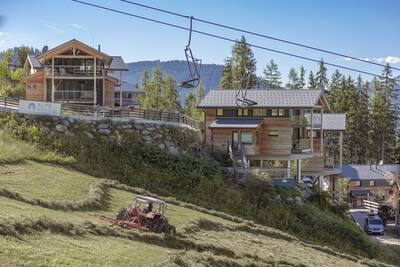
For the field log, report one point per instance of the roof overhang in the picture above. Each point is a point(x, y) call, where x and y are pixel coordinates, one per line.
point(248, 123)
point(65, 46)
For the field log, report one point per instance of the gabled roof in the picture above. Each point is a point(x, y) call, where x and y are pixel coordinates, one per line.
point(34, 62)
point(282, 98)
point(117, 63)
point(369, 172)
point(76, 42)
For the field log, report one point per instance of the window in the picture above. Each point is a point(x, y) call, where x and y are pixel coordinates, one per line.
point(255, 163)
point(259, 112)
point(273, 133)
point(278, 112)
point(220, 112)
point(246, 138)
point(371, 183)
point(32, 86)
point(243, 112)
point(357, 183)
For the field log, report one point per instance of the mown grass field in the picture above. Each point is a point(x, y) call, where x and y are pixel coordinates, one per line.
point(38, 234)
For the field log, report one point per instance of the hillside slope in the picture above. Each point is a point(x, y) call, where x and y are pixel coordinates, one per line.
point(45, 223)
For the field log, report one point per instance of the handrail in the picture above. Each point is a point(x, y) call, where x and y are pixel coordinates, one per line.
point(108, 112)
point(232, 158)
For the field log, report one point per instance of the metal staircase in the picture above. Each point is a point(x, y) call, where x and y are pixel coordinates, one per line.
point(240, 164)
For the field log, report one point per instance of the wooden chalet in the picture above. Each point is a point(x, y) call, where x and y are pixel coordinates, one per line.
point(287, 134)
point(73, 72)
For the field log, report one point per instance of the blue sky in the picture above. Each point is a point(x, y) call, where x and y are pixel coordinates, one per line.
point(364, 28)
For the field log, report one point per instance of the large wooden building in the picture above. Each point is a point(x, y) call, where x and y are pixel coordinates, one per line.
point(73, 72)
point(286, 134)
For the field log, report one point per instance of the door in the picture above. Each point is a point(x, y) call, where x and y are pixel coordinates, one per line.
point(235, 140)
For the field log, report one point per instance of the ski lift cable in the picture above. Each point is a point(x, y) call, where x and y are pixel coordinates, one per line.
point(229, 39)
point(260, 35)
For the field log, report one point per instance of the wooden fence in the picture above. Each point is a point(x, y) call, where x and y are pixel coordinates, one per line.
point(108, 112)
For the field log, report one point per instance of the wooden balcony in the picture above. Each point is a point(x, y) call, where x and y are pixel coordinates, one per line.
point(301, 146)
point(74, 96)
point(73, 71)
point(300, 120)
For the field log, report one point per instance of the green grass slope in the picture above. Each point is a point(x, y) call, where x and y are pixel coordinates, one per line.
point(43, 222)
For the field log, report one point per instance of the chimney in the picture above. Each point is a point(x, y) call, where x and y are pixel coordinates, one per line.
point(98, 48)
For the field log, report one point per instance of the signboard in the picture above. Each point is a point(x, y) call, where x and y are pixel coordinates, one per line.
point(39, 108)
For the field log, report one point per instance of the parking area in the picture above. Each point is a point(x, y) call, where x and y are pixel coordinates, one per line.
point(359, 217)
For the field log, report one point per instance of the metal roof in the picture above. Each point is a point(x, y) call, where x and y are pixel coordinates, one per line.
point(117, 63)
point(34, 62)
point(360, 193)
point(369, 172)
point(264, 98)
point(331, 121)
point(236, 123)
point(150, 199)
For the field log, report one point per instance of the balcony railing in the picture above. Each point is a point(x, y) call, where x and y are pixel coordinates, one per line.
point(68, 70)
point(300, 120)
point(301, 146)
point(331, 163)
point(74, 95)
point(271, 173)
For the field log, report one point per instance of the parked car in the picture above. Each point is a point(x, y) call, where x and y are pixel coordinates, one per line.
point(373, 224)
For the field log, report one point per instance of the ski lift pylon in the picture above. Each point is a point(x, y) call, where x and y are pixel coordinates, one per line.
point(194, 64)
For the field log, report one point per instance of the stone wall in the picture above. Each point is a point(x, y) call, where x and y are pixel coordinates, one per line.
point(175, 138)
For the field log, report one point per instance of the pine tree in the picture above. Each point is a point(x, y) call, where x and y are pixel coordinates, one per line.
point(170, 97)
point(362, 120)
point(243, 62)
point(153, 90)
point(302, 79)
point(200, 93)
point(383, 117)
point(236, 68)
point(293, 82)
point(190, 105)
point(23, 52)
point(321, 79)
point(227, 78)
point(311, 81)
point(272, 77)
point(335, 95)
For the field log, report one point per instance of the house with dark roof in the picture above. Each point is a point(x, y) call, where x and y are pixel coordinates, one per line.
point(73, 72)
point(128, 95)
point(370, 182)
point(287, 134)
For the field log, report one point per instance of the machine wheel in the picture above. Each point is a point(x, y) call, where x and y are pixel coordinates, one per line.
point(122, 214)
point(158, 226)
point(171, 230)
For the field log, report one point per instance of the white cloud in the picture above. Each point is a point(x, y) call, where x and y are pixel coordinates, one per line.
point(392, 59)
point(2, 42)
point(77, 26)
point(1, 33)
point(365, 58)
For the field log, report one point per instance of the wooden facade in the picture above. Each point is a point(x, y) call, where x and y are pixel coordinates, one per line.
point(73, 73)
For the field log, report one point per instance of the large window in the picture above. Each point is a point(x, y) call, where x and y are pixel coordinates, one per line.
point(220, 112)
point(243, 112)
point(273, 132)
point(357, 183)
point(278, 112)
point(371, 183)
point(246, 137)
point(260, 112)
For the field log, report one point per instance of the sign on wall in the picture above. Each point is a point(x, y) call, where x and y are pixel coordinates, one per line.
point(39, 108)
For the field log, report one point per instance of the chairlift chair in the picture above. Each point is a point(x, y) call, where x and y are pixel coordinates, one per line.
point(240, 94)
point(194, 64)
